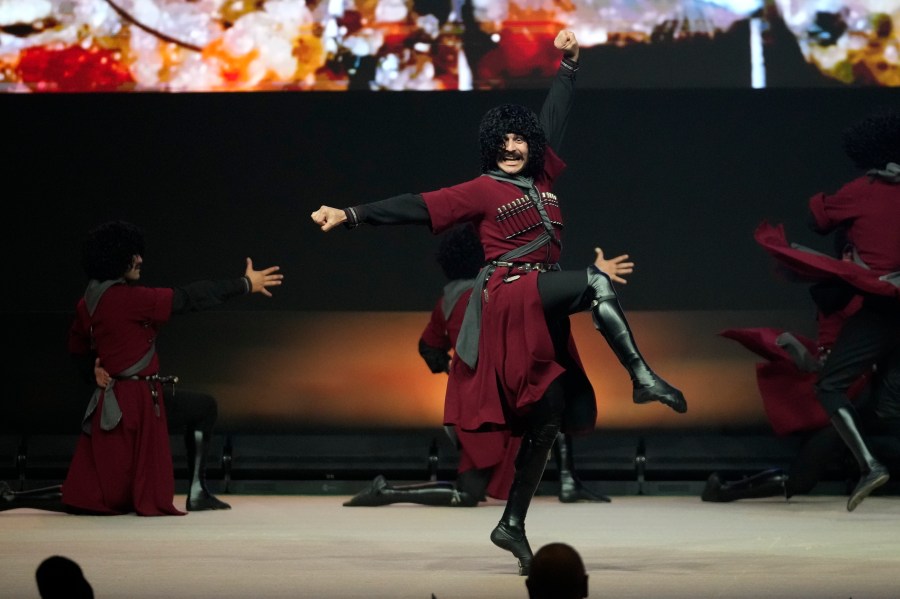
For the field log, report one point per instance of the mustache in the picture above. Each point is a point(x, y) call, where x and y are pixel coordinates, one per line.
point(504, 155)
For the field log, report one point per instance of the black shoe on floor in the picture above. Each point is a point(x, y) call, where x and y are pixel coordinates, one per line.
point(370, 496)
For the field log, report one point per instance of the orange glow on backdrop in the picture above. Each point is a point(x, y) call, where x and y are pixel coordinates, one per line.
point(360, 369)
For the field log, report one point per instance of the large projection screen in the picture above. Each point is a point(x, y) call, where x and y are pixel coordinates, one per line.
point(346, 45)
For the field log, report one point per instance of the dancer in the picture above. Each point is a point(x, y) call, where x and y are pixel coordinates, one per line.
point(786, 383)
point(516, 365)
point(122, 462)
point(486, 462)
point(194, 414)
point(869, 208)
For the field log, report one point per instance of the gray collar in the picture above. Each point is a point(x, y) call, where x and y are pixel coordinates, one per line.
point(890, 173)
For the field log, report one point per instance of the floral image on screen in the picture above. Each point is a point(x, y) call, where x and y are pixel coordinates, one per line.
point(435, 45)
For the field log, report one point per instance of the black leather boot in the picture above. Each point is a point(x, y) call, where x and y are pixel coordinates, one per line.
point(438, 493)
point(571, 489)
point(199, 497)
point(769, 483)
point(509, 533)
point(610, 321)
point(873, 473)
point(47, 498)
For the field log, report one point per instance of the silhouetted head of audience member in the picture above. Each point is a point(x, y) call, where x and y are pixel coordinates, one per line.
point(59, 577)
point(557, 572)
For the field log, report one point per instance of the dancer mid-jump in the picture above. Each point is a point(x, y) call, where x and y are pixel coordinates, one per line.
point(515, 353)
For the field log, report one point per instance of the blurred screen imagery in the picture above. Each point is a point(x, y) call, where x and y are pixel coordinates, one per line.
point(436, 45)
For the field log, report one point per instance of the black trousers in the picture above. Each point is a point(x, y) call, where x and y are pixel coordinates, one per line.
point(562, 293)
point(871, 336)
point(189, 411)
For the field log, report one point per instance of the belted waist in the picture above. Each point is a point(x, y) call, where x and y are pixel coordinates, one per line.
point(525, 266)
point(165, 379)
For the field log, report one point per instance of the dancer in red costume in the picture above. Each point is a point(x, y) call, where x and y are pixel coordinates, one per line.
point(868, 209)
point(487, 458)
point(515, 356)
point(786, 382)
point(122, 462)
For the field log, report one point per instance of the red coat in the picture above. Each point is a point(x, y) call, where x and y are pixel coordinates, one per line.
point(820, 267)
point(788, 392)
point(488, 449)
point(128, 468)
point(516, 359)
point(871, 208)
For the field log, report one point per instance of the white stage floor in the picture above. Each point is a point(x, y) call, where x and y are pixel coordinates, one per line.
point(637, 547)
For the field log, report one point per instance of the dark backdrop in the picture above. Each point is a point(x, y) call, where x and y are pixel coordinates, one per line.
point(677, 178)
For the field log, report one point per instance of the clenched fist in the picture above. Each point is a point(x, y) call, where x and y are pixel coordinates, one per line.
point(565, 41)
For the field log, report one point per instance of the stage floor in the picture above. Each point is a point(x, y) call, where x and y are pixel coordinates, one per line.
point(637, 547)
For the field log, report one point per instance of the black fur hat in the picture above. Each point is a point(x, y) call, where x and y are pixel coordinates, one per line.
point(109, 249)
point(874, 141)
point(511, 118)
point(460, 253)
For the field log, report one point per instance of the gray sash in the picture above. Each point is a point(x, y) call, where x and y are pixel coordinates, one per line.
point(470, 331)
point(111, 414)
point(892, 277)
point(452, 291)
point(801, 356)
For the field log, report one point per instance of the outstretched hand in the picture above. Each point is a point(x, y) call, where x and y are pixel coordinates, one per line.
point(328, 218)
point(615, 268)
point(565, 41)
point(260, 280)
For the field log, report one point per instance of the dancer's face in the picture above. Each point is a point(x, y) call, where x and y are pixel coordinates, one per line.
point(513, 154)
point(134, 271)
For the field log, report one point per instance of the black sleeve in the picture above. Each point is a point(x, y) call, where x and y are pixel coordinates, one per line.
point(437, 359)
point(555, 112)
point(408, 208)
point(203, 295)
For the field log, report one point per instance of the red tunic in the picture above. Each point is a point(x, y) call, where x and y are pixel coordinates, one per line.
point(129, 468)
point(788, 393)
point(871, 207)
point(488, 449)
point(516, 359)
point(820, 267)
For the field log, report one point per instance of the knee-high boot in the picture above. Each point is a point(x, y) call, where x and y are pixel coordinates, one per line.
point(46, 498)
point(769, 483)
point(438, 493)
point(509, 533)
point(610, 321)
point(873, 473)
point(571, 489)
point(199, 497)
